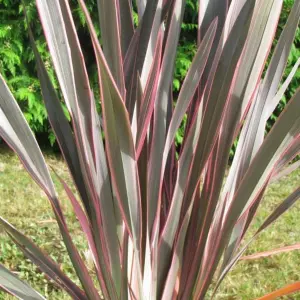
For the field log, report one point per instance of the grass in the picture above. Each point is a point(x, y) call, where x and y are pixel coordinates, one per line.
point(25, 206)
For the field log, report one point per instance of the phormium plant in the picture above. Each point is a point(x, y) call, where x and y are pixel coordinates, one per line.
point(159, 224)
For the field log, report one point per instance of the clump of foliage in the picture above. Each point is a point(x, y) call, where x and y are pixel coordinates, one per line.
point(159, 224)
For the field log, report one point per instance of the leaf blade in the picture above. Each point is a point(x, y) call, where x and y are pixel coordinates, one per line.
point(14, 286)
point(287, 290)
point(44, 262)
point(271, 252)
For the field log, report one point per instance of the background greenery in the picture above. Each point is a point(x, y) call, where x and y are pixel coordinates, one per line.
point(18, 67)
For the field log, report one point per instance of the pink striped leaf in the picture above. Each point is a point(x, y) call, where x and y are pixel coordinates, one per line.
point(286, 171)
point(253, 131)
point(222, 151)
point(141, 4)
point(60, 126)
point(177, 259)
point(190, 84)
point(281, 209)
point(287, 290)
point(11, 284)
point(109, 15)
point(69, 66)
point(43, 261)
point(215, 104)
point(147, 105)
point(285, 131)
point(186, 94)
point(82, 218)
point(139, 57)
point(245, 219)
point(119, 143)
point(126, 24)
point(271, 252)
point(107, 207)
point(160, 114)
point(252, 62)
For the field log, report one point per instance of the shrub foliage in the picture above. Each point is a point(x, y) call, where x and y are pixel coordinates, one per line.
point(160, 224)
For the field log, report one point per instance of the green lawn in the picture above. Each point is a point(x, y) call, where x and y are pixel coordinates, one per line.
point(25, 206)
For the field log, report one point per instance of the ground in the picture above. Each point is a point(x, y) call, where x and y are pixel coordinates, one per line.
point(25, 206)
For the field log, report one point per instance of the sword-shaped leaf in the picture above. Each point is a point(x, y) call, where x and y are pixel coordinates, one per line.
point(16, 287)
point(42, 261)
point(287, 290)
point(109, 15)
point(119, 143)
